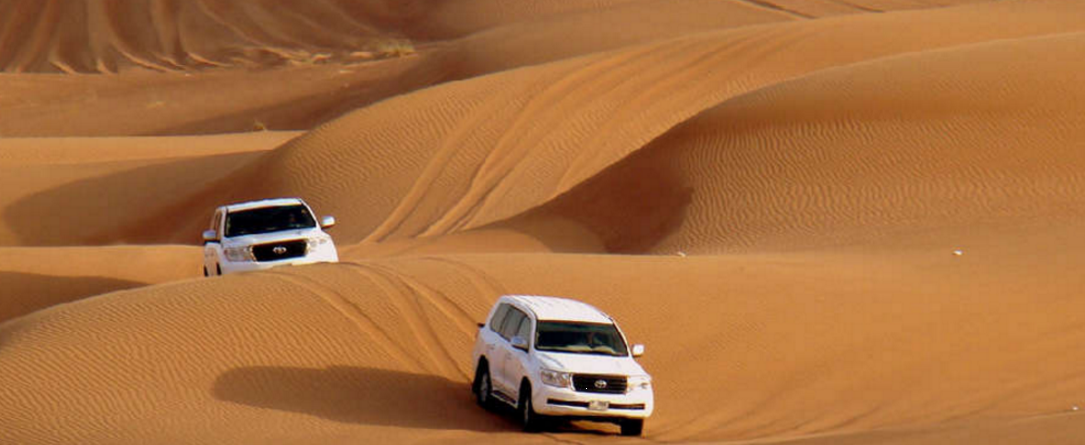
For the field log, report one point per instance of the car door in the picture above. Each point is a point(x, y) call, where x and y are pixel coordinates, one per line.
point(490, 340)
point(504, 351)
point(516, 362)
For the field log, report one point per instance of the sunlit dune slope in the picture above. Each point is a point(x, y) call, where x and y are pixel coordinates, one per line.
point(968, 136)
point(381, 349)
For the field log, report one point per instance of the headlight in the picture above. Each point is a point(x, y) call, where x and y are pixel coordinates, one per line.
point(639, 382)
point(316, 242)
point(238, 253)
point(556, 378)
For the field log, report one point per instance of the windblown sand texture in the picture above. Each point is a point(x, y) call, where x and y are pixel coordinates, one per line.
point(830, 222)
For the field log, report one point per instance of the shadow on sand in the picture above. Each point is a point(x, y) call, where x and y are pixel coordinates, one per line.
point(375, 397)
point(360, 395)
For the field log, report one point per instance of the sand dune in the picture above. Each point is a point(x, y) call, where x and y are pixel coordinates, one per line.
point(783, 336)
point(965, 136)
point(466, 167)
point(831, 222)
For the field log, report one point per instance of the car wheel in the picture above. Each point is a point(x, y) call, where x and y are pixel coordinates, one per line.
point(532, 421)
point(218, 269)
point(205, 271)
point(632, 427)
point(483, 387)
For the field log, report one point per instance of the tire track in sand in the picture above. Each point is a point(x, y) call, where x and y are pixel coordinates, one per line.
point(366, 324)
point(420, 325)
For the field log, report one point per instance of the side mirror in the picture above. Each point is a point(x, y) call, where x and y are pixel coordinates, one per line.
point(518, 342)
point(209, 236)
point(638, 350)
point(327, 222)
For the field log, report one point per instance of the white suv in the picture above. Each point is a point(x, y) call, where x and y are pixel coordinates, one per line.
point(548, 356)
point(263, 234)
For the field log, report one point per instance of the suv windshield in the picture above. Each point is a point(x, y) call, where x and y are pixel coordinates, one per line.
point(584, 338)
point(268, 219)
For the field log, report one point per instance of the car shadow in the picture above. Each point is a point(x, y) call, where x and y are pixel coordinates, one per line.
point(370, 396)
point(360, 395)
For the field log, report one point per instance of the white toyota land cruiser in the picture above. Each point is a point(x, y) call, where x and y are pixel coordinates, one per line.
point(259, 235)
point(548, 356)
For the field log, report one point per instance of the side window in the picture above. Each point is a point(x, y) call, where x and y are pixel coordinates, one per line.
point(524, 330)
point(512, 323)
point(498, 318)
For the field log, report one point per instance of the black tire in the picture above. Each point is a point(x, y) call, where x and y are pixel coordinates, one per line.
point(218, 269)
point(483, 387)
point(632, 427)
point(532, 422)
point(205, 271)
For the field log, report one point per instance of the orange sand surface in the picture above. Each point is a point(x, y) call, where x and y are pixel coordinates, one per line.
point(831, 222)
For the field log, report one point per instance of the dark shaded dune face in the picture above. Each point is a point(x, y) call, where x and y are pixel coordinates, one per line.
point(629, 208)
point(100, 208)
point(24, 293)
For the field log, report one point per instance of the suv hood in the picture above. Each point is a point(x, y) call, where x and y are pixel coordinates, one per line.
point(589, 363)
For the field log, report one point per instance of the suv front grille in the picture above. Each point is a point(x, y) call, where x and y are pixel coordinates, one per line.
point(280, 250)
point(605, 384)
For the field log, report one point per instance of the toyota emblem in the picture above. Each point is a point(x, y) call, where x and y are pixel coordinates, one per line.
point(279, 250)
point(601, 384)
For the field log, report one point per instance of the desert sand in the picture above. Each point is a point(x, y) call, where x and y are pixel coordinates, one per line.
point(831, 222)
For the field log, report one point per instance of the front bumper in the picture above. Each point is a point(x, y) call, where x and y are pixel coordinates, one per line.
point(319, 256)
point(553, 401)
